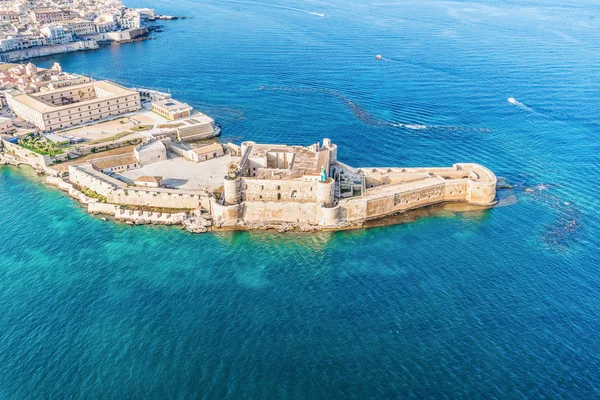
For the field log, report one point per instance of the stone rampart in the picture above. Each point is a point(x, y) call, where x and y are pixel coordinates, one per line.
point(469, 183)
point(117, 192)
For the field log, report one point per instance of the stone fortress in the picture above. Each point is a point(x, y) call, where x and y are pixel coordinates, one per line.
point(277, 184)
point(281, 187)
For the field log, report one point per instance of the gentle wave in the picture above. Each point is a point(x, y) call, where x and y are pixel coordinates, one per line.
point(368, 118)
point(252, 3)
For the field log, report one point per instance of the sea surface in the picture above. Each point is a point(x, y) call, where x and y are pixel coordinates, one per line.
point(500, 304)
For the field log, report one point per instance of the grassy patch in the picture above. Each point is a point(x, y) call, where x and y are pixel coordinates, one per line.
point(40, 146)
point(141, 128)
point(90, 193)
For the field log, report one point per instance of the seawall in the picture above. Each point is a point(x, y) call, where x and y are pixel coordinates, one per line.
point(43, 51)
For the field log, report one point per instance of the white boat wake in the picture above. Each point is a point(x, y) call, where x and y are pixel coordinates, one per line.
point(252, 3)
point(517, 103)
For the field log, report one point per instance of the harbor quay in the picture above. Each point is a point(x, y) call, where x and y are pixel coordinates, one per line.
point(143, 157)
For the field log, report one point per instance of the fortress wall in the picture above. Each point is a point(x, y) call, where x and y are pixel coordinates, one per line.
point(456, 190)
point(81, 178)
point(366, 208)
point(153, 217)
point(154, 198)
point(137, 196)
point(278, 212)
point(225, 215)
point(481, 193)
point(232, 190)
point(280, 190)
point(119, 36)
point(329, 216)
point(353, 209)
point(103, 208)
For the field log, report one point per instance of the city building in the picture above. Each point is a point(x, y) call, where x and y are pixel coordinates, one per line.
point(46, 16)
point(130, 20)
point(206, 152)
point(74, 105)
point(57, 34)
point(80, 27)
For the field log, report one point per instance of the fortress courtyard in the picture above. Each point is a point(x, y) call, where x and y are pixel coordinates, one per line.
point(179, 173)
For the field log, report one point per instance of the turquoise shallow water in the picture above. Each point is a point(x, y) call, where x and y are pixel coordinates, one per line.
point(499, 304)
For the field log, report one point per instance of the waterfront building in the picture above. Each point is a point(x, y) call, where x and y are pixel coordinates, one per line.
point(57, 34)
point(74, 105)
point(106, 23)
point(171, 109)
point(130, 20)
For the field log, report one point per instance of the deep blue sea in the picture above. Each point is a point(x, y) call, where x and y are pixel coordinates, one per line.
point(498, 304)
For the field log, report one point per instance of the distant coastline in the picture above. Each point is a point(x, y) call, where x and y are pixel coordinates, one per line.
point(58, 30)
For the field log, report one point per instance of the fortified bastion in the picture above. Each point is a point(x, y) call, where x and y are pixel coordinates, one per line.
point(280, 184)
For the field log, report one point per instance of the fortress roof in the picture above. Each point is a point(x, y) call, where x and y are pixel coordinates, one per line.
point(208, 149)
